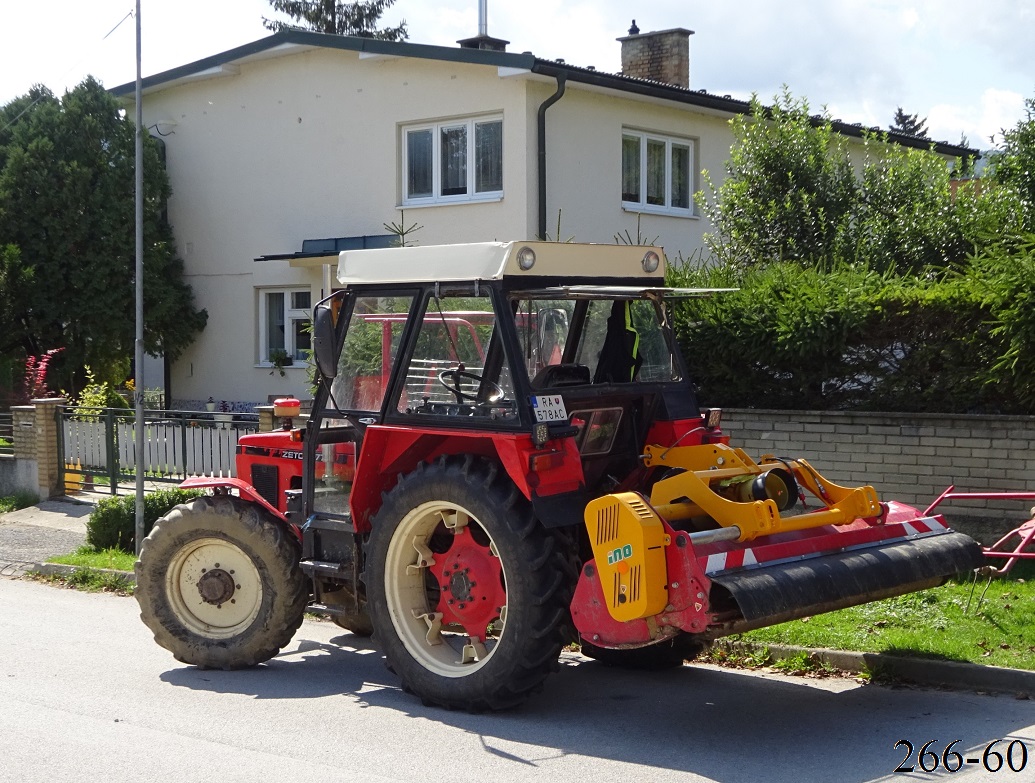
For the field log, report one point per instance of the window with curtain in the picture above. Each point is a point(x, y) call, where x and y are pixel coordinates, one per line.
point(657, 173)
point(284, 315)
point(457, 160)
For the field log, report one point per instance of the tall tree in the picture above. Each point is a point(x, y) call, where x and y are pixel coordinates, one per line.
point(67, 237)
point(795, 191)
point(1012, 163)
point(337, 18)
point(788, 192)
point(910, 124)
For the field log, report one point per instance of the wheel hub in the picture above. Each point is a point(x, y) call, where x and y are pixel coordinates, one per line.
point(472, 593)
point(216, 587)
point(459, 584)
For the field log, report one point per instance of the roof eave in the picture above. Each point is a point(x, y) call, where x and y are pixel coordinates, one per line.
point(726, 104)
point(325, 41)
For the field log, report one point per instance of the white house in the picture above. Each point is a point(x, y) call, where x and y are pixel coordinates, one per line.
point(285, 150)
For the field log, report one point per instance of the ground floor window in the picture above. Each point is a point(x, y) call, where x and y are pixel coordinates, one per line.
point(284, 316)
point(657, 173)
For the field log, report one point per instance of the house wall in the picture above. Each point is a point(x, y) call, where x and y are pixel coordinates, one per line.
point(307, 146)
point(584, 166)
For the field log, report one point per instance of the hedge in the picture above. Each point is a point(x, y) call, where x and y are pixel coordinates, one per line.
point(956, 341)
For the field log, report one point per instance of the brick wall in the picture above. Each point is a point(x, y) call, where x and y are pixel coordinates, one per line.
point(906, 457)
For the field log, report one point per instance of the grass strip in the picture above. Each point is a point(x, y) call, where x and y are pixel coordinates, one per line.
point(88, 557)
point(982, 622)
point(89, 579)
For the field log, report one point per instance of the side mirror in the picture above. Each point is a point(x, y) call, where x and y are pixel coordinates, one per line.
point(323, 341)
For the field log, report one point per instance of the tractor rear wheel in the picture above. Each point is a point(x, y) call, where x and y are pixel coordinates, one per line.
point(219, 585)
point(467, 592)
point(669, 654)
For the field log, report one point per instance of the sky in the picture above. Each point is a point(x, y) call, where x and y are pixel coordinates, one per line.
point(965, 66)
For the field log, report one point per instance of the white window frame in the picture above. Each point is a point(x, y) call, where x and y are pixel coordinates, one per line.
point(290, 314)
point(436, 128)
point(643, 138)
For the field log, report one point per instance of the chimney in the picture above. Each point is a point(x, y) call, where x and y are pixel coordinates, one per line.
point(662, 56)
point(483, 40)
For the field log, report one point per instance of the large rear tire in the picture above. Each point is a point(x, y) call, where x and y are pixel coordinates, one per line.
point(467, 591)
point(219, 585)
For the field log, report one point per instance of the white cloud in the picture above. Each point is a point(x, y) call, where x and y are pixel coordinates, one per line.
point(997, 109)
point(909, 17)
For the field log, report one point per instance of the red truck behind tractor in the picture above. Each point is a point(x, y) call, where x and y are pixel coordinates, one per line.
point(505, 454)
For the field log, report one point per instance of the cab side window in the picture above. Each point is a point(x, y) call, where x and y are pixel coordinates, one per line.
point(371, 346)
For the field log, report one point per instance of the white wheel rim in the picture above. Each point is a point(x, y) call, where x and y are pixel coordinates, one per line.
point(446, 650)
point(214, 588)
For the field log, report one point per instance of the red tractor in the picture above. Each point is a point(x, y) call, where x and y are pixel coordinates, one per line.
point(504, 455)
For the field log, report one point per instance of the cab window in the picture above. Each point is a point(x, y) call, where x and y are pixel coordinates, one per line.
point(371, 345)
point(457, 366)
point(572, 342)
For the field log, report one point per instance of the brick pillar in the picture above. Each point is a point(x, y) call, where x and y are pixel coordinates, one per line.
point(49, 460)
point(23, 420)
point(266, 422)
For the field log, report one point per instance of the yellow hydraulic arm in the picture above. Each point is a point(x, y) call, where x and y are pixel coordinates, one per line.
point(712, 473)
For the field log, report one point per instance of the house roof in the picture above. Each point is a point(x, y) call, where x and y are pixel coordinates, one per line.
point(288, 40)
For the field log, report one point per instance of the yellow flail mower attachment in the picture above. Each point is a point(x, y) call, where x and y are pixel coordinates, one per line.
point(725, 544)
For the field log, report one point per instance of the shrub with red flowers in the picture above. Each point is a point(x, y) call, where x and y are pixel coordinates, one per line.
point(34, 385)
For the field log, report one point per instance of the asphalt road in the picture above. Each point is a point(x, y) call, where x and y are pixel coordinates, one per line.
point(85, 694)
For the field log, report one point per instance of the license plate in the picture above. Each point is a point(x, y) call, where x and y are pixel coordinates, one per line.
point(549, 407)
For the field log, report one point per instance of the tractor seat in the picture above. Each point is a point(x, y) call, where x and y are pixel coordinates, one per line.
point(554, 375)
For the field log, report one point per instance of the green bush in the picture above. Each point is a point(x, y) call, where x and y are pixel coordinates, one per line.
point(98, 394)
point(112, 524)
point(853, 338)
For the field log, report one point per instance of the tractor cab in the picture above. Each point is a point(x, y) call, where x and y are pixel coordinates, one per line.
point(556, 355)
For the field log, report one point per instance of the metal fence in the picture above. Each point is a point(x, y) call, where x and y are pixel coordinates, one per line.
point(6, 433)
point(98, 446)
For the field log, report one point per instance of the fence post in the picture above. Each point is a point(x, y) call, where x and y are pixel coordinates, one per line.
point(50, 463)
point(111, 440)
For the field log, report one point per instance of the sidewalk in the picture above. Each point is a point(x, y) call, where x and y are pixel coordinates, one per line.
point(31, 535)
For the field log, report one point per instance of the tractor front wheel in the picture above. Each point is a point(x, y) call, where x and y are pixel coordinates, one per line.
point(467, 592)
point(219, 585)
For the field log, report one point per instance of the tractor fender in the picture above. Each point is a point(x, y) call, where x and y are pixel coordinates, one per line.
point(246, 491)
point(391, 451)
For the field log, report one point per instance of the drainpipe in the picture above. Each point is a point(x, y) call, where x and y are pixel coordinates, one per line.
point(561, 80)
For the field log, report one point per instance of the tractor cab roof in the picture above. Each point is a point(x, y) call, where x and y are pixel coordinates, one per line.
point(486, 261)
point(551, 269)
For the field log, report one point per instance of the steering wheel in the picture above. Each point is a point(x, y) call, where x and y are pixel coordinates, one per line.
point(496, 395)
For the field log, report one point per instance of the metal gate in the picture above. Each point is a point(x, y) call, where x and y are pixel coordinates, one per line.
point(98, 446)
